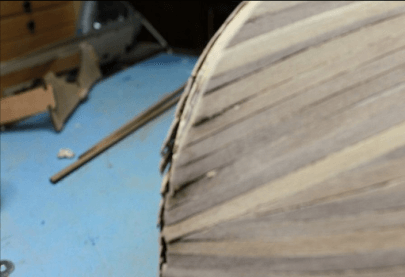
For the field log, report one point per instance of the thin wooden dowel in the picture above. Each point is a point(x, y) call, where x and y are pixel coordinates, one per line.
point(134, 121)
point(166, 103)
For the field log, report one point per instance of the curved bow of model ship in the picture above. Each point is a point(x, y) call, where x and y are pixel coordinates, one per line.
point(287, 153)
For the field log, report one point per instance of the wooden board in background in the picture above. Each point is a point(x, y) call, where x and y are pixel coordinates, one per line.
point(23, 46)
point(14, 28)
point(21, 106)
point(37, 72)
point(12, 8)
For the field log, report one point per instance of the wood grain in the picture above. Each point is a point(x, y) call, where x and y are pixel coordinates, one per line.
point(26, 45)
point(24, 105)
point(12, 8)
point(37, 72)
point(13, 28)
point(287, 156)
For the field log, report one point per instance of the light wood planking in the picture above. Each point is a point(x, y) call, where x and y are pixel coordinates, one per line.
point(355, 122)
point(293, 183)
point(287, 154)
point(286, 14)
point(380, 262)
point(273, 46)
point(237, 272)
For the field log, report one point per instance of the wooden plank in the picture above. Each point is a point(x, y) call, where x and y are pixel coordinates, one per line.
point(272, 47)
point(373, 175)
point(37, 72)
point(266, 272)
point(13, 28)
point(265, 103)
point(265, 22)
point(378, 261)
point(135, 120)
point(272, 7)
point(338, 93)
point(287, 158)
point(341, 244)
point(12, 8)
point(344, 50)
point(297, 181)
point(334, 99)
point(24, 46)
point(284, 156)
point(265, 230)
point(40, 57)
point(24, 105)
point(354, 16)
point(333, 94)
point(225, 186)
point(360, 204)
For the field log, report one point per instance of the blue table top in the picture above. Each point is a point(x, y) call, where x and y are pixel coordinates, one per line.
point(101, 219)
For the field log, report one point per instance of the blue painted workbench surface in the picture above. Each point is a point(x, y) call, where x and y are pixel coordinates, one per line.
point(101, 219)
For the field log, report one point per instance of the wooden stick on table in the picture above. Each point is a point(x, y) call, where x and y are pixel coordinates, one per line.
point(133, 125)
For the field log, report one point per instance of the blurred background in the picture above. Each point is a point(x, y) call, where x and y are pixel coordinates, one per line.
point(186, 25)
point(72, 74)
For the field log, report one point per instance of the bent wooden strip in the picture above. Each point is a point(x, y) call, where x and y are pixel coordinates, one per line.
point(357, 47)
point(300, 180)
point(358, 242)
point(332, 21)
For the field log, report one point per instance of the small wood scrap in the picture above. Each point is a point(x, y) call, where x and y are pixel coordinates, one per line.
point(134, 124)
point(66, 153)
point(288, 155)
point(68, 96)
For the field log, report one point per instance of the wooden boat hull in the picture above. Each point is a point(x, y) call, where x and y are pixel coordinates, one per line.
point(287, 153)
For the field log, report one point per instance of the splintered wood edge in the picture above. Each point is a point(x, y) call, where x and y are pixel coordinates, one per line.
point(192, 93)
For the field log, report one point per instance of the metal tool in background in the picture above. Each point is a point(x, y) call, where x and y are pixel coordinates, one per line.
point(112, 28)
point(112, 36)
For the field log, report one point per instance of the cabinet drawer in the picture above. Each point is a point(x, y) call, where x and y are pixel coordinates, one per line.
point(25, 45)
point(36, 23)
point(11, 8)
